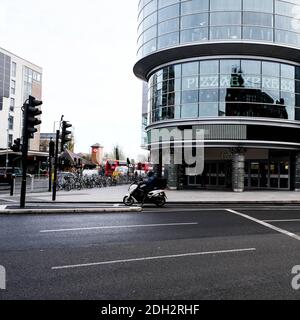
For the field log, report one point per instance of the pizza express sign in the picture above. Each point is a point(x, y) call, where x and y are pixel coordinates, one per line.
point(227, 81)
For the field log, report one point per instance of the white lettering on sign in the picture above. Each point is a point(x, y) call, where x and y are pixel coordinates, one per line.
point(270, 83)
point(227, 81)
point(288, 85)
point(209, 82)
point(252, 82)
point(190, 83)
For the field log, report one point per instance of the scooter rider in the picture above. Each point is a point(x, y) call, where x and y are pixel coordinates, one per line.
point(148, 184)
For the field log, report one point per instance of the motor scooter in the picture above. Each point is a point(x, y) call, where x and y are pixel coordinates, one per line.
point(136, 194)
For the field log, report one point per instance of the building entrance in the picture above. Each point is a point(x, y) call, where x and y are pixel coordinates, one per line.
point(264, 174)
point(215, 175)
point(259, 174)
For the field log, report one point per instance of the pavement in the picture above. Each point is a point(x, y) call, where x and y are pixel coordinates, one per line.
point(116, 194)
point(193, 253)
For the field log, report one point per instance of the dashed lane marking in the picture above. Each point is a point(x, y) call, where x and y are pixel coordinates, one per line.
point(121, 227)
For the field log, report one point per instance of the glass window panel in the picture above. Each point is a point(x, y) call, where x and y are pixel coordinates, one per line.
point(297, 114)
point(209, 109)
point(286, 9)
point(168, 13)
point(189, 110)
point(258, 5)
point(209, 67)
point(227, 5)
point(252, 81)
point(225, 32)
point(168, 40)
point(149, 34)
point(190, 96)
point(209, 81)
point(192, 35)
point(177, 84)
point(150, 21)
point(191, 68)
point(288, 99)
point(193, 6)
point(258, 33)
point(165, 3)
point(287, 71)
point(209, 95)
point(258, 19)
point(195, 20)
point(251, 67)
point(297, 86)
point(168, 26)
point(297, 100)
point(149, 47)
point(190, 83)
point(274, 95)
point(224, 18)
point(227, 66)
point(287, 85)
point(149, 8)
point(270, 69)
point(287, 37)
point(291, 112)
point(270, 83)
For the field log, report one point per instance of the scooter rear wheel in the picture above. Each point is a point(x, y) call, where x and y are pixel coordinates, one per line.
point(128, 201)
point(160, 202)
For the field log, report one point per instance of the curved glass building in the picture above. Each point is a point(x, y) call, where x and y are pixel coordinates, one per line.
point(232, 69)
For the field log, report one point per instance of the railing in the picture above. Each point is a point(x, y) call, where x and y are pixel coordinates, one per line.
point(40, 183)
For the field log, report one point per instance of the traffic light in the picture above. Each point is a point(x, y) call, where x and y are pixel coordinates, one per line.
point(65, 138)
point(51, 148)
point(16, 147)
point(31, 112)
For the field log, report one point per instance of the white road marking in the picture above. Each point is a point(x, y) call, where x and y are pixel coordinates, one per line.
point(148, 210)
point(3, 207)
point(152, 258)
point(9, 200)
point(119, 227)
point(290, 220)
point(270, 226)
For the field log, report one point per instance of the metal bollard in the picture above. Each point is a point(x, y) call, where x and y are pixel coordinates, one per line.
point(32, 183)
point(12, 185)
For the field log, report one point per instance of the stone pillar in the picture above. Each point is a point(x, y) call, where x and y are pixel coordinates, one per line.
point(173, 177)
point(297, 172)
point(238, 172)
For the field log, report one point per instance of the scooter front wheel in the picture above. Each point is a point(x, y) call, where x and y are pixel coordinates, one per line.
point(128, 201)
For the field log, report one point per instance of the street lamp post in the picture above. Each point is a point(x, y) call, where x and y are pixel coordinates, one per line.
point(7, 144)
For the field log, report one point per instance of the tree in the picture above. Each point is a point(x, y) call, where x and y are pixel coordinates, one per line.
point(116, 154)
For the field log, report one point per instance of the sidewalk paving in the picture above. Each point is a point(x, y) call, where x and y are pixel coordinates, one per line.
point(116, 194)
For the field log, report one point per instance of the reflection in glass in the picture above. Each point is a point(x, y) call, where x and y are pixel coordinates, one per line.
point(225, 87)
point(243, 102)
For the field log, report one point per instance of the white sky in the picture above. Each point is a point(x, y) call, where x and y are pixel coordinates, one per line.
point(87, 50)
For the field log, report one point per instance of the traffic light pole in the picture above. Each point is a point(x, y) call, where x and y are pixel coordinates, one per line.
point(50, 174)
point(51, 154)
point(24, 157)
point(30, 112)
point(55, 167)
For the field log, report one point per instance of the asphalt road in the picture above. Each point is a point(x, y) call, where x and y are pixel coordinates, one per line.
point(171, 253)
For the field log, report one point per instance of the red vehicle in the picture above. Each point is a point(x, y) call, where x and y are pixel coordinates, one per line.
point(111, 165)
point(145, 167)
